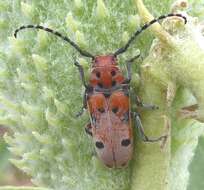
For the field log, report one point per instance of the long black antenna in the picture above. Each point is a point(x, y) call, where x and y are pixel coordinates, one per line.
point(56, 33)
point(144, 27)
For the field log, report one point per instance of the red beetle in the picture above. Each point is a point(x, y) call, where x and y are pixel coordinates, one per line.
point(107, 99)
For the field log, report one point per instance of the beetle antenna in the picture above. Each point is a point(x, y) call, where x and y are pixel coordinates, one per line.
point(56, 33)
point(144, 27)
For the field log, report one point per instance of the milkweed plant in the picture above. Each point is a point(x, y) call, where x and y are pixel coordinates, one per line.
point(40, 90)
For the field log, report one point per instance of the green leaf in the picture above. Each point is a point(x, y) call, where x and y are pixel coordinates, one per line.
point(21, 188)
point(41, 92)
point(196, 167)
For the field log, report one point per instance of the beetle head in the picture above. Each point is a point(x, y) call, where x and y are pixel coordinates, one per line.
point(104, 60)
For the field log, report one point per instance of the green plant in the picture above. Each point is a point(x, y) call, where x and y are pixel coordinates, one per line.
point(39, 91)
point(4, 156)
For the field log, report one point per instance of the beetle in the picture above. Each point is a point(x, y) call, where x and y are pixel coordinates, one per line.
point(107, 99)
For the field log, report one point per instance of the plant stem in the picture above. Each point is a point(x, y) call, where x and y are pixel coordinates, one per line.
point(156, 28)
point(151, 164)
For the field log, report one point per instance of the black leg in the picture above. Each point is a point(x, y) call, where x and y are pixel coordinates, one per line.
point(83, 107)
point(81, 72)
point(140, 128)
point(80, 112)
point(145, 106)
point(88, 129)
point(129, 69)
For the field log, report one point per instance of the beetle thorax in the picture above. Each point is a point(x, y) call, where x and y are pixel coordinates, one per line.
point(105, 72)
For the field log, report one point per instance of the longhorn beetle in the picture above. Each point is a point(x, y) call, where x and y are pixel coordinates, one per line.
point(107, 99)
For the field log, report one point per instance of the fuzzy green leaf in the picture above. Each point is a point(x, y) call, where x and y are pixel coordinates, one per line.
point(21, 188)
point(40, 91)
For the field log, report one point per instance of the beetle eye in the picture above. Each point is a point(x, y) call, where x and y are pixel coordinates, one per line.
point(99, 144)
point(125, 142)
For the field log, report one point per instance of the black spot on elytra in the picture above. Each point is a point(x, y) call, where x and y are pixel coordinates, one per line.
point(99, 144)
point(102, 110)
point(125, 142)
point(115, 110)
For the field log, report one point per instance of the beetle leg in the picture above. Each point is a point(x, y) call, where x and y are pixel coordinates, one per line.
point(80, 113)
point(81, 72)
point(83, 107)
point(145, 106)
point(140, 128)
point(129, 69)
point(88, 129)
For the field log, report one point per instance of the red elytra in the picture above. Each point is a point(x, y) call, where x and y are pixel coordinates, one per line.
point(107, 100)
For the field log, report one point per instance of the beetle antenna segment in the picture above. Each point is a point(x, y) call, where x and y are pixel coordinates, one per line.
point(144, 27)
point(56, 33)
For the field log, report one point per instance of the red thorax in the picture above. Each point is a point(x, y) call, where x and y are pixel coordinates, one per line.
point(105, 72)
